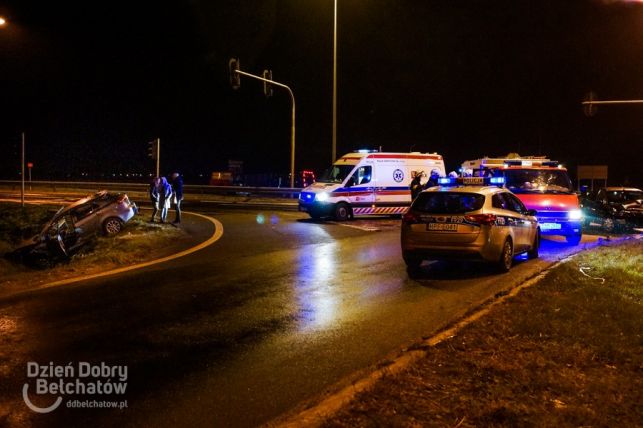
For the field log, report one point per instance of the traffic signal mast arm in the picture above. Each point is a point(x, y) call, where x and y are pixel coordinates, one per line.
point(613, 102)
point(235, 69)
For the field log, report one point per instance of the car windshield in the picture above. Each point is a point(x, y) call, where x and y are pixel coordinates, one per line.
point(624, 196)
point(448, 202)
point(538, 181)
point(336, 174)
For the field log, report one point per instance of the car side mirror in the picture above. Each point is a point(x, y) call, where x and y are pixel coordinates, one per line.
point(532, 213)
point(350, 182)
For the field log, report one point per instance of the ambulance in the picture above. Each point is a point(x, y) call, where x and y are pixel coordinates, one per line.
point(368, 182)
point(542, 185)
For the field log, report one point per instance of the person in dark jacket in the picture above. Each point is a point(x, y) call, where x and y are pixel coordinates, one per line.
point(416, 185)
point(155, 186)
point(177, 195)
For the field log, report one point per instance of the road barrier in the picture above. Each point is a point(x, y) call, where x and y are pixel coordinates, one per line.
point(193, 189)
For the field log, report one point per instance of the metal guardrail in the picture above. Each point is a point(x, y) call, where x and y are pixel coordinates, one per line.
point(196, 189)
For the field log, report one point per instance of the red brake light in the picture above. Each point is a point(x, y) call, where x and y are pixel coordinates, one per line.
point(410, 218)
point(481, 218)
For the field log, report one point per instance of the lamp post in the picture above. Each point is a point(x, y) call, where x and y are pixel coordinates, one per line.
point(334, 151)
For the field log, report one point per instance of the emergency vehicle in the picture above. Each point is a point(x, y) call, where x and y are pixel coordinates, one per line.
point(542, 185)
point(368, 182)
point(471, 218)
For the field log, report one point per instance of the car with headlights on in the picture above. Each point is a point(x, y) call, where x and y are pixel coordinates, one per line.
point(75, 225)
point(471, 218)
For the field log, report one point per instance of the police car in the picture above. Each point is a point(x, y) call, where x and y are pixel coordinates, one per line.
point(469, 218)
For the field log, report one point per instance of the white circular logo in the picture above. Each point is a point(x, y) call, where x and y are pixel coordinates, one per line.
point(398, 175)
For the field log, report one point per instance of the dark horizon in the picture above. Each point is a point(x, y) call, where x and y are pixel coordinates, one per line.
point(91, 84)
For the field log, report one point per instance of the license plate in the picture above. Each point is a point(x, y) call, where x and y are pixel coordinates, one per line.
point(442, 227)
point(550, 226)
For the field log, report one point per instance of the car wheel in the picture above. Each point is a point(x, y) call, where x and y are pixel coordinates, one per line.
point(506, 256)
point(533, 253)
point(413, 262)
point(342, 211)
point(112, 226)
point(574, 238)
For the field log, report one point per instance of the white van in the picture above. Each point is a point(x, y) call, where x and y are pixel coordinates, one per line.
point(365, 182)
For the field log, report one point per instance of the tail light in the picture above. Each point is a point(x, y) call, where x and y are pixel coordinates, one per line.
point(481, 218)
point(410, 218)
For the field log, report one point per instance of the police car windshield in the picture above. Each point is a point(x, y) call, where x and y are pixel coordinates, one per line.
point(538, 181)
point(336, 174)
point(448, 203)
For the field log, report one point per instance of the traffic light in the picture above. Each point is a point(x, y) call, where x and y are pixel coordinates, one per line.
point(235, 77)
point(152, 149)
point(267, 87)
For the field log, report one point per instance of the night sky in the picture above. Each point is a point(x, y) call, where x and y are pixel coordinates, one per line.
point(92, 82)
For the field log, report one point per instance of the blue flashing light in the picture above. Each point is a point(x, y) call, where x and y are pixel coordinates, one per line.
point(446, 181)
point(497, 180)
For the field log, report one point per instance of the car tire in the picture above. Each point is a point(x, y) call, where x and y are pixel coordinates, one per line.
point(574, 238)
point(342, 211)
point(609, 225)
point(412, 261)
point(506, 256)
point(112, 226)
point(533, 253)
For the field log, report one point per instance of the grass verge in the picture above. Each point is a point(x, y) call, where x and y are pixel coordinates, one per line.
point(139, 241)
point(565, 352)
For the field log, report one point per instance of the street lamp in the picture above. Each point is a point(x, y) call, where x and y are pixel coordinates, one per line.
point(334, 151)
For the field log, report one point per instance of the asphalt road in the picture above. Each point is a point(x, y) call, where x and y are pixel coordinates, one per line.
point(277, 311)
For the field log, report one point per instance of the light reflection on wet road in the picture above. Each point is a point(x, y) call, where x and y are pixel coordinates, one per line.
point(278, 310)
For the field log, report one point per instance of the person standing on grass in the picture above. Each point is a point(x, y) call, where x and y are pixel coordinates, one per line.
point(177, 196)
point(165, 196)
point(155, 186)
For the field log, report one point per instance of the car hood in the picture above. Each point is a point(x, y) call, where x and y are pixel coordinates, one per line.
point(547, 202)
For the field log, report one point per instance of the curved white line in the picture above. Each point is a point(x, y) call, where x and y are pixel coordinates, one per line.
point(218, 233)
point(25, 396)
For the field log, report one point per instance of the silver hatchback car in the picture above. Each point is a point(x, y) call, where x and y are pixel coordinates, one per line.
point(467, 219)
point(76, 224)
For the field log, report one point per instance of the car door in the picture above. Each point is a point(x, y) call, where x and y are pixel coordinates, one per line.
point(361, 190)
point(523, 223)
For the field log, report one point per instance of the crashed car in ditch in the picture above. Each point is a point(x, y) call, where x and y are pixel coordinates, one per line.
point(76, 225)
point(614, 209)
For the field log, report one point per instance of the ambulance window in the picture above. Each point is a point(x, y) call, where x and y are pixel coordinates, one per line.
point(362, 175)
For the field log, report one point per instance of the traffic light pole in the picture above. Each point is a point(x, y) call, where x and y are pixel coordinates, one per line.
point(158, 157)
point(292, 128)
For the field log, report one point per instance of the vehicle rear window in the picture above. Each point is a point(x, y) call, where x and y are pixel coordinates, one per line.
point(448, 203)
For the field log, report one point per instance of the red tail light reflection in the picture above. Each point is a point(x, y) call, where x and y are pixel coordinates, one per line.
point(481, 218)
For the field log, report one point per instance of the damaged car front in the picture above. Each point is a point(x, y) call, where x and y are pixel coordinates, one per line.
point(75, 226)
point(615, 209)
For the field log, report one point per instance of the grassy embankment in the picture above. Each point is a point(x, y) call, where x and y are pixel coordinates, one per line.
point(565, 352)
point(138, 241)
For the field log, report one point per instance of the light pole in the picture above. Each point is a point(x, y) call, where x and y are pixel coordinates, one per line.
point(334, 151)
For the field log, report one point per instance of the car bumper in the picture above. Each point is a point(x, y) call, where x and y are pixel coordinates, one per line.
point(316, 208)
point(559, 227)
point(487, 246)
